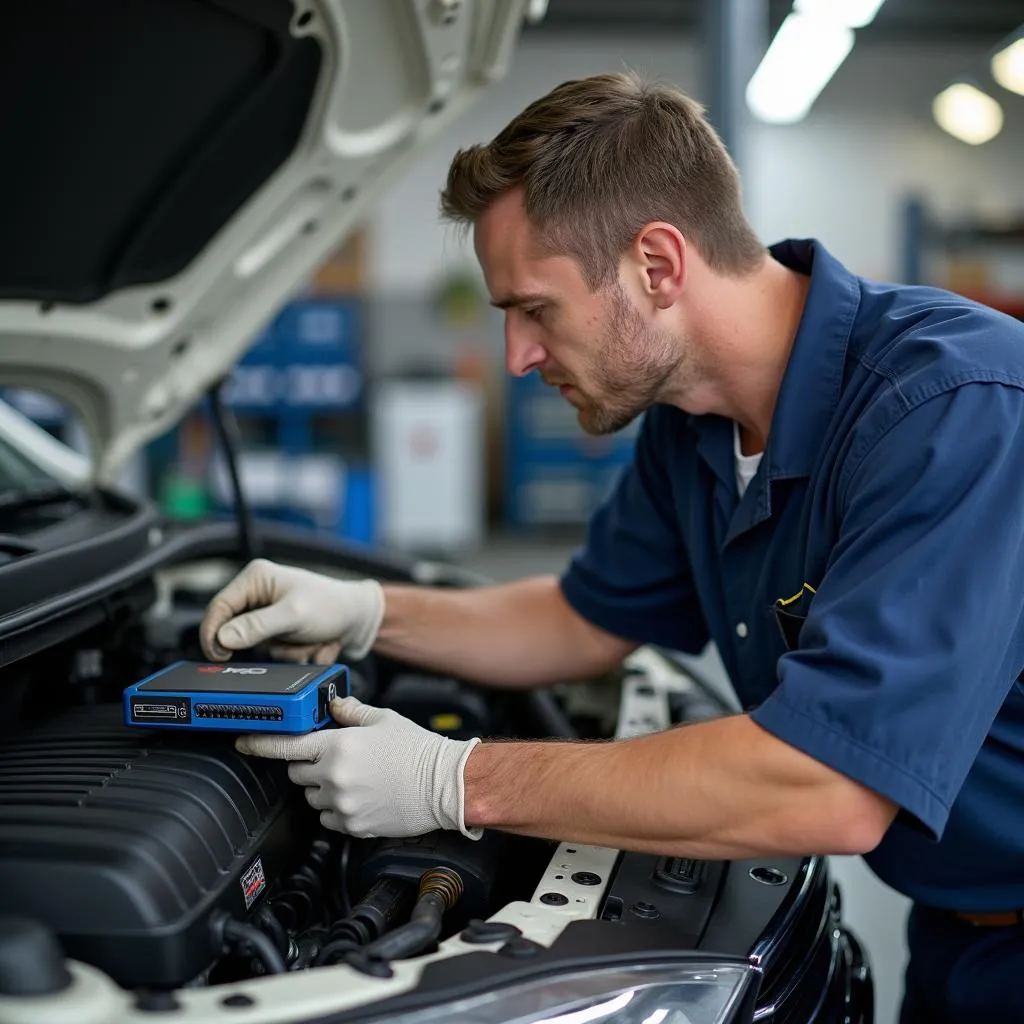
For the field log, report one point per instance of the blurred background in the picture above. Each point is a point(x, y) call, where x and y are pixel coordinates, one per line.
point(375, 406)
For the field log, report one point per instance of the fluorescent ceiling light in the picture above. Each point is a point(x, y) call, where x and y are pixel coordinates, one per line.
point(968, 114)
point(851, 13)
point(536, 11)
point(803, 56)
point(1008, 67)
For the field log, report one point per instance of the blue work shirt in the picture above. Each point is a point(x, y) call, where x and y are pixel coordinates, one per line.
point(888, 514)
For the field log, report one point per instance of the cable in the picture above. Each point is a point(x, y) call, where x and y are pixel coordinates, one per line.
point(440, 889)
point(262, 945)
point(388, 901)
point(552, 718)
point(343, 863)
point(335, 951)
point(226, 427)
point(266, 920)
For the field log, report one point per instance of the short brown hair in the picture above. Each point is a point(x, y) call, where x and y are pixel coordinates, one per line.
point(600, 157)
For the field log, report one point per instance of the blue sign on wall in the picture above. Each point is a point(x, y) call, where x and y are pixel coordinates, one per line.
point(309, 359)
point(556, 473)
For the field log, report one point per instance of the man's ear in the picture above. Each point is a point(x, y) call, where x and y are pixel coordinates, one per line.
point(661, 255)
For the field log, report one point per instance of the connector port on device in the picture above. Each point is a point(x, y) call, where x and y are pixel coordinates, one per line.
point(325, 694)
point(156, 711)
point(161, 709)
point(241, 712)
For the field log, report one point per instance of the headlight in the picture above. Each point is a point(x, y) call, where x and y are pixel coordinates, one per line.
point(709, 993)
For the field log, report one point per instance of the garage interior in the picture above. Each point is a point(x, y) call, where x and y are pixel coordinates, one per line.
point(374, 405)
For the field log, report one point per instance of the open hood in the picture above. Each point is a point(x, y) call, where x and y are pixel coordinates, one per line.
point(176, 169)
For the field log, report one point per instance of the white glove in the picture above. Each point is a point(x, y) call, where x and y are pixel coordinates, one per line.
point(381, 776)
point(311, 617)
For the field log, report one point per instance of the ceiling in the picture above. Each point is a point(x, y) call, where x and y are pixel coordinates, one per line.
point(982, 22)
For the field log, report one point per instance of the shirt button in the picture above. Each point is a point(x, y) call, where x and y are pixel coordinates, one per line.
point(741, 630)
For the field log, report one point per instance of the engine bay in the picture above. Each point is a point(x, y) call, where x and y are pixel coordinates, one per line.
point(148, 870)
point(168, 859)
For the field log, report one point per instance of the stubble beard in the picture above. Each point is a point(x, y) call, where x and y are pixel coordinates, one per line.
point(633, 367)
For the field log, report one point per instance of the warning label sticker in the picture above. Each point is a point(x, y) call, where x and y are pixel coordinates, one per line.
point(253, 882)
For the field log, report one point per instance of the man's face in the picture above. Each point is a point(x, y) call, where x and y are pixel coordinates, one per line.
point(596, 347)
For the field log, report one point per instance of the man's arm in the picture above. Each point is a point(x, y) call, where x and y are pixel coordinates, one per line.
point(518, 634)
point(721, 789)
point(631, 584)
point(913, 640)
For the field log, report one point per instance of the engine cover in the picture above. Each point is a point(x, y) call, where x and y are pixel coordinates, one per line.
point(124, 841)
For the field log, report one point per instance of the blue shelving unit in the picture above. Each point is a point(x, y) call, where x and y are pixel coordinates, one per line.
point(556, 474)
point(299, 395)
point(307, 363)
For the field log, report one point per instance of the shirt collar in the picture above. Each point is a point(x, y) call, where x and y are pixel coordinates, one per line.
point(813, 379)
point(808, 396)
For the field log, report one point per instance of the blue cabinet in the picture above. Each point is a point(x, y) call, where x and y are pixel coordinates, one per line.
point(556, 474)
point(309, 360)
point(299, 395)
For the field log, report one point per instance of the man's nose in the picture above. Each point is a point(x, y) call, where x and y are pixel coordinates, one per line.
point(523, 354)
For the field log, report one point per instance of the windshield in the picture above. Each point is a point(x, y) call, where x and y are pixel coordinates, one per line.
point(18, 474)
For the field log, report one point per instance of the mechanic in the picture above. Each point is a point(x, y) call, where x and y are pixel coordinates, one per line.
point(828, 483)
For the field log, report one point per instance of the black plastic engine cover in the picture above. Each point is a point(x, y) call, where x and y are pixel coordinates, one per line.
point(123, 841)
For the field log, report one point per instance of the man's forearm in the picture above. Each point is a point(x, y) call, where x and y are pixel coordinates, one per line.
point(720, 789)
point(519, 634)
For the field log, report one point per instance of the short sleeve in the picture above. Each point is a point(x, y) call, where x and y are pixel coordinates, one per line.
point(916, 633)
point(632, 577)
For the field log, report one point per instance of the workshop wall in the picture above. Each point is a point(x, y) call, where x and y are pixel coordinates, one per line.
point(844, 173)
point(840, 175)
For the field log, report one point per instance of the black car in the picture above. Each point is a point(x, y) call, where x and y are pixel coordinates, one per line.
point(180, 167)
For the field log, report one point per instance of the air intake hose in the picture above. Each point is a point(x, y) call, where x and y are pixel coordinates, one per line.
point(439, 891)
point(386, 902)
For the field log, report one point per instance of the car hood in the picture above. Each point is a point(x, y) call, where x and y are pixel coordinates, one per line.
point(175, 170)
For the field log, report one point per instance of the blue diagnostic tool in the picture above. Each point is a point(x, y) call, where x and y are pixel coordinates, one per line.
point(236, 697)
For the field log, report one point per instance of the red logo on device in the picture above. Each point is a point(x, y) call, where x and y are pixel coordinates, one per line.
point(210, 668)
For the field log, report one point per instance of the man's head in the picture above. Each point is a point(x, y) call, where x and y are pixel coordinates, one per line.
point(591, 209)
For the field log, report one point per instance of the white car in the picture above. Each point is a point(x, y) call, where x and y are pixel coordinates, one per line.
point(174, 171)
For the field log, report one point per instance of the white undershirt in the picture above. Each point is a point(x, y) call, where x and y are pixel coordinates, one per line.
point(746, 465)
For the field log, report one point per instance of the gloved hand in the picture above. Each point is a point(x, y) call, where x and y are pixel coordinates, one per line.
point(381, 776)
point(311, 617)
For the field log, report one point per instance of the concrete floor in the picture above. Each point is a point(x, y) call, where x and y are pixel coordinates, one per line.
point(871, 909)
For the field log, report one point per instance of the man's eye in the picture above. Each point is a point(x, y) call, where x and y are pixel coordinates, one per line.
point(534, 312)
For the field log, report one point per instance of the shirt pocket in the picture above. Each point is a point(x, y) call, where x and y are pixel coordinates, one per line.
point(791, 614)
